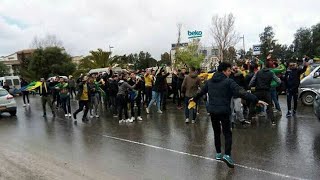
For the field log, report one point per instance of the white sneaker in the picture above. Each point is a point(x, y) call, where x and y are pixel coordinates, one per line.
point(69, 114)
point(147, 110)
point(193, 121)
point(159, 111)
point(97, 116)
point(122, 120)
point(139, 118)
point(28, 104)
point(66, 115)
point(24, 105)
point(91, 116)
point(187, 120)
point(129, 121)
point(133, 118)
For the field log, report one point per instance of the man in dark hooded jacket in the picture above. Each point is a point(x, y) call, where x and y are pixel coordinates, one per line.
point(220, 90)
point(262, 83)
point(292, 82)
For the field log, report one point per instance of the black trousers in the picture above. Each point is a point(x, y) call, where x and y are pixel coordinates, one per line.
point(122, 106)
point(65, 101)
point(266, 97)
point(25, 95)
point(72, 91)
point(113, 102)
point(83, 104)
point(292, 94)
point(175, 95)
point(164, 96)
point(224, 120)
point(138, 103)
point(148, 94)
point(56, 98)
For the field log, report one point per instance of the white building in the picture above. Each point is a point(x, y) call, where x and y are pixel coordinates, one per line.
point(211, 59)
point(14, 60)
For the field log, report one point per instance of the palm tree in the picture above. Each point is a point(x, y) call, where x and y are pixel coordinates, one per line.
point(96, 59)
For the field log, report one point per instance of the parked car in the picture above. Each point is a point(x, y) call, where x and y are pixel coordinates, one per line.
point(7, 102)
point(316, 105)
point(309, 86)
point(13, 82)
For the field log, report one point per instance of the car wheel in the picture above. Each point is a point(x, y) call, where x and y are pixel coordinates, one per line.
point(308, 98)
point(13, 113)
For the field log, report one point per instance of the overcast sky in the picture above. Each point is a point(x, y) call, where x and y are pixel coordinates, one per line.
point(149, 25)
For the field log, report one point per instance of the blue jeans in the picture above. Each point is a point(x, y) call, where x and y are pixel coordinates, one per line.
point(187, 110)
point(274, 97)
point(155, 97)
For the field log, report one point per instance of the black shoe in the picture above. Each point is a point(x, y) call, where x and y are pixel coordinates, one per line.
point(294, 112)
point(84, 119)
point(53, 114)
point(74, 116)
point(44, 114)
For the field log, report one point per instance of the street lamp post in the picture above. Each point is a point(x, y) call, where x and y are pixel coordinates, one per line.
point(244, 48)
point(110, 47)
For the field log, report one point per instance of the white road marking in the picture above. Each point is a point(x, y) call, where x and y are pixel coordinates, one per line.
point(203, 157)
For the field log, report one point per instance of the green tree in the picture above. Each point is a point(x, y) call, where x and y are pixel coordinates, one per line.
point(165, 59)
point(189, 56)
point(315, 40)
point(4, 70)
point(50, 61)
point(230, 55)
point(96, 59)
point(302, 42)
point(267, 41)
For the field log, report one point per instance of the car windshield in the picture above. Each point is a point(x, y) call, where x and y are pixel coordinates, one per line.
point(3, 92)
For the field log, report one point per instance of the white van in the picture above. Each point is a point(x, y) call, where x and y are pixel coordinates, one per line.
point(116, 70)
point(12, 81)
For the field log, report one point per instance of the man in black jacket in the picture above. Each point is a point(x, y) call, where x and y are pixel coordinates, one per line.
point(262, 83)
point(113, 91)
point(46, 93)
point(292, 82)
point(219, 107)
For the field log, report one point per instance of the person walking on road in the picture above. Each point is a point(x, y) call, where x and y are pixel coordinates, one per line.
point(72, 86)
point(122, 100)
point(190, 86)
point(25, 93)
point(157, 89)
point(84, 99)
point(148, 80)
point(220, 90)
point(64, 94)
point(262, 83)
point(292, 82)
point(46, 93)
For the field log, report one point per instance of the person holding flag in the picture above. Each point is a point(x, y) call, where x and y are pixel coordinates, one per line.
point(45, 93)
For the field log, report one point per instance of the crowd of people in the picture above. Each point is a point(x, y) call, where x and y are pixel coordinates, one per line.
point(232, 94)
point(123, 92)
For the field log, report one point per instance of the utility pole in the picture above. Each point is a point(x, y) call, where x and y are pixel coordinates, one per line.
point(110, 47)
point(244, 48)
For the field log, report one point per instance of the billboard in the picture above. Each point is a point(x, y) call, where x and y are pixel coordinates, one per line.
point(194, 34)
point(256, 50)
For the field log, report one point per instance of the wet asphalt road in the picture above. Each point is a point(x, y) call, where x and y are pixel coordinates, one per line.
point(162, 146)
